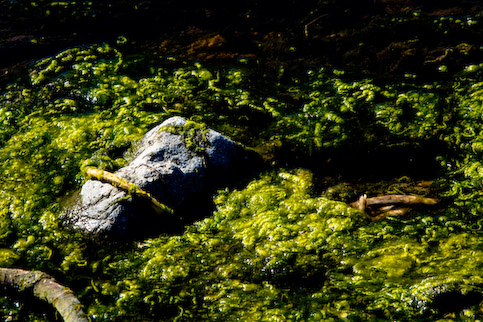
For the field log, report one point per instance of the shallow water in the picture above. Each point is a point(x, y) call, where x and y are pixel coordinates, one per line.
point(286, 246)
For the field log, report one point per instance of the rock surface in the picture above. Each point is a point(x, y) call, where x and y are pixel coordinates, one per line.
point(175, 175)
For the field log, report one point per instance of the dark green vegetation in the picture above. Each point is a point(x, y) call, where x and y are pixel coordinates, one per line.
point(273, 250)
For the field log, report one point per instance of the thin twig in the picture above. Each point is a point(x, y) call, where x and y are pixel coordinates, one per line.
point(306, 27)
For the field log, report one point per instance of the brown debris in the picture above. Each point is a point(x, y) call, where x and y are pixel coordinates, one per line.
point(46, 288)
point(390, 205)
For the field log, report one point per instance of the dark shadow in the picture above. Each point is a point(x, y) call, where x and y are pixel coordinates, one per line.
point(455, 301)
point(417, 160)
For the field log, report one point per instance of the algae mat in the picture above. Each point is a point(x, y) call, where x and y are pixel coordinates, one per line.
point(284, 247)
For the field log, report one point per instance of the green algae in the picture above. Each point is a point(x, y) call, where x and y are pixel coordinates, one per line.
point(262, 243)
point(193, 135)
point(274, 250)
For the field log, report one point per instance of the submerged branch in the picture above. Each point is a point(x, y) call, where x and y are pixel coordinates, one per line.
point(118, 182)
point(46, 288)
point(392, 205)
point(396, 200)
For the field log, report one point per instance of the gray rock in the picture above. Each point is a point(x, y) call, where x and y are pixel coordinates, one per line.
point(176, 176)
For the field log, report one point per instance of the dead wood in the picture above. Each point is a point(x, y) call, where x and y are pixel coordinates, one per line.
point(118, 182)
point(46, 288)
point(382, 207)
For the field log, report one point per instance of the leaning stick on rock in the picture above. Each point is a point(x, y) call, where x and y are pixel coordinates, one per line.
point(46, 288)
point(118, 182)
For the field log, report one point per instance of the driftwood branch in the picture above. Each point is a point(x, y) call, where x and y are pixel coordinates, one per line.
point(46, 288)
point(394, 200)
point(118, 182)
point(392, 205)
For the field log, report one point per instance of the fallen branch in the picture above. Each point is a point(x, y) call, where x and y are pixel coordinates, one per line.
point(46, 288)
point(392, 205)
point(394, 200)
point(118, 182)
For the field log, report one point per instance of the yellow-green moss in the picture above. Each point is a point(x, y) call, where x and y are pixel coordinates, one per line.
point(273, 250)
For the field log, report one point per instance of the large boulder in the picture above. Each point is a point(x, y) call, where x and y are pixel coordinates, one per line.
point(181, 177)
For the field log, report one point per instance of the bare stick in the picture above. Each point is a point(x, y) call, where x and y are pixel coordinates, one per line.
point(391, 205)
point(402, 200)
point(121, 183)
point(46, 288)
